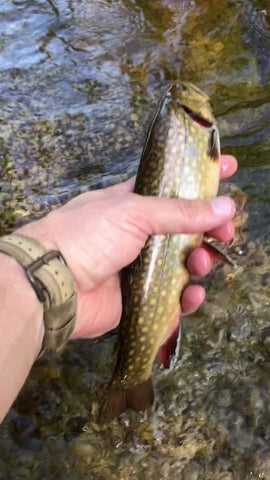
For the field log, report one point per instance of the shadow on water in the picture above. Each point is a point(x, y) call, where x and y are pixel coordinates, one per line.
point(79, 82)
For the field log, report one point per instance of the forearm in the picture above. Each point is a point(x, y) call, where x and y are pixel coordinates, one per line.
point(21, 330)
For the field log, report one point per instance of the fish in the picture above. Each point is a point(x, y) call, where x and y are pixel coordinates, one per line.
point(180, 159)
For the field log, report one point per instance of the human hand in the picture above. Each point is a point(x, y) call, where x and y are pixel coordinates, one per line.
point(102, 231)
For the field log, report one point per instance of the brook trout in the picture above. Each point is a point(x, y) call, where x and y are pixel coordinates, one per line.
point(180, 158)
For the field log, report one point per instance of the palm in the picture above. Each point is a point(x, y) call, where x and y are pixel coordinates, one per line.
point(99, 309)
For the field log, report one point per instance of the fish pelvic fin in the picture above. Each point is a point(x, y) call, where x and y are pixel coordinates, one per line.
point(138, 398)
point(169, 351)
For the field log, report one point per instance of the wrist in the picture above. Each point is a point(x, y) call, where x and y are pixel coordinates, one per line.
point(55, 232)
point(18, 297)
point(44, 231)
point(21, 330)
point(39, 230)
point(52, 282)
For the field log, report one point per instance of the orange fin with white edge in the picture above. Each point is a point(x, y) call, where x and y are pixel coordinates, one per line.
point(139, 398)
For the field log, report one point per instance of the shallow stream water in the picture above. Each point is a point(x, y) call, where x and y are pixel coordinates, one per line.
point(79, 82)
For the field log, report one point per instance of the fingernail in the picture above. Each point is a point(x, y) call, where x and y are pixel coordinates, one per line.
point(222, 206)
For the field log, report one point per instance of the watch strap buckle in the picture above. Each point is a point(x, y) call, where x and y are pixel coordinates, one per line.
point(36, 265)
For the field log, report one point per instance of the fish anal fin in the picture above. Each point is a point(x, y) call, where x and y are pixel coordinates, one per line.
point(139, 398)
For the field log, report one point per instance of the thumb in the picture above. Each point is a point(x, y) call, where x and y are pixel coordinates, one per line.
point(169, 215)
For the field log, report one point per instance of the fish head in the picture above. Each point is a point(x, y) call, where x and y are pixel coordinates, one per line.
point(186, 96)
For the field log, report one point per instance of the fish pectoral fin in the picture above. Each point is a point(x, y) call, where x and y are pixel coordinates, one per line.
point(139, 398)
point(213, 246)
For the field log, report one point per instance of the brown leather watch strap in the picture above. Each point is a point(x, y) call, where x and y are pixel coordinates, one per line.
point(53, 283)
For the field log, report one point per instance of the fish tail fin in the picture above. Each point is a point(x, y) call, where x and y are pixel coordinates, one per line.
point(138, 398)
point(141, 397)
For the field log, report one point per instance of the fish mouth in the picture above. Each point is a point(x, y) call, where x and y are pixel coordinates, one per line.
point(196, 117)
